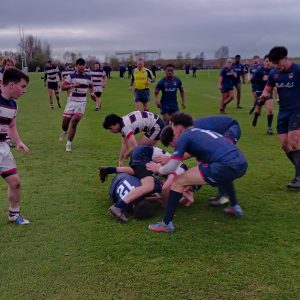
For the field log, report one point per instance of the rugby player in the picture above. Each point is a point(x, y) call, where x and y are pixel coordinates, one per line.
point(285, 77)
point(99, 80)
point(78, 83)
point(52, 77)
point(260, 78)
point(132, 124)
point(238, 68)
point(169, 86)
point(14, 83)
point(225, 85)
point(220, 163)
point(140, 156)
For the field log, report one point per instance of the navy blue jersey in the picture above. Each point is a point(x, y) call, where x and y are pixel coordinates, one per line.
point(288, 86)
point(218, 124)
point(228, 78)
point(169, 90)
point(205, 145)
point(123, 183)
point(253, 70)
point(258, 78)
point(141, 155)
point(239, 70)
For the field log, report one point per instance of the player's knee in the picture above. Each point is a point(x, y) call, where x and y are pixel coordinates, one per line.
point(15, 184)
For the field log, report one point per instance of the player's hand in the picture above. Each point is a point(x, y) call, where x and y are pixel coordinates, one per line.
point(130, 88)
point(183, 105)
point(157, 103)
point(152, 166)
point(93, 96)
point(22, 146)
point(121, 163)
point(162, 159)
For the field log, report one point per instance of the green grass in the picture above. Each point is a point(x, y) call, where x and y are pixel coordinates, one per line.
point(74, 250)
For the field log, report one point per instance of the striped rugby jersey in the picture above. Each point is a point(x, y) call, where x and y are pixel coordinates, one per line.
point(8, 111)
point(65, 73)
point(52, 74)
point(98, 77)
point(138, 121)
point(79, 94)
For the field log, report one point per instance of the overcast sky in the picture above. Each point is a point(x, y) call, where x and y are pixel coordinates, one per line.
point(102, 27)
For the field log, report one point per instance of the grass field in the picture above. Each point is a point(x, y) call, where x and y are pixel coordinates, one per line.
point(74, 250)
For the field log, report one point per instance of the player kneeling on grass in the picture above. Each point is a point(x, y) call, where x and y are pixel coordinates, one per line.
point(220, 163)
point(140, 157)
point(13, 86)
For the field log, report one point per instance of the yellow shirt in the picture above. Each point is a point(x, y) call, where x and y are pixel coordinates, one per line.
point(140, 78)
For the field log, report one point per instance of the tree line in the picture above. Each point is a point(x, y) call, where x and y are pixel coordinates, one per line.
point(34, 52)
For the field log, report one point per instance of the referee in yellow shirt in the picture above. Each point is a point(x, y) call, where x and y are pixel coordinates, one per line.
point(140, 81)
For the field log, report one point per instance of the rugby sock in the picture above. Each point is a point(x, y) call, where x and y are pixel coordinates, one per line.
point(296, 156)
point(230, 191)
point(110, 170)
point(290, 156)
point(173, 200)
point(65, 128)
point(270, 120)
point(254, 121)
point(14, 211)
point(122, 205)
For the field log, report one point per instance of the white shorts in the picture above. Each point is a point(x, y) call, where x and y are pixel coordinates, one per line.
point(74, 107)
point(98, 88)
point(7, 162)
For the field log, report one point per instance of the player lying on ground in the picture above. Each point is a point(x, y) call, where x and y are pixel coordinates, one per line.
point(139, 158)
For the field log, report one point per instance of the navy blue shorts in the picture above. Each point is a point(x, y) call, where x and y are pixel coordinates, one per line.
point(237, 84)
point(288, 121)
point(168, 109)
point(52, 86)
point(217, 173)
point(142, 95)
point(226, 89)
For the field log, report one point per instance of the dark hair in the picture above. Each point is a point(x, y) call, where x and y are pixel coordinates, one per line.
point(167, 136)
point(267, 56)
point(14, 75)
point(48, 62)
point(143, 209)
point(110, 120)
point(237, 56)
point(183, 119)
point(80, 61)
point(277, 53)
point(170, 65)
point(255, 56)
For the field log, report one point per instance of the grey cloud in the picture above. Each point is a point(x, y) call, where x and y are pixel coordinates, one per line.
point(247, 27)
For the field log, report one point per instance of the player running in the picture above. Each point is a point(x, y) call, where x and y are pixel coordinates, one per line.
point(78, 83)
point(52, 77)
point(99, 80)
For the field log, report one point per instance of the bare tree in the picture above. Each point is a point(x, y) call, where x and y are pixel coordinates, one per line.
point(222, 54)
point(35, 51)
